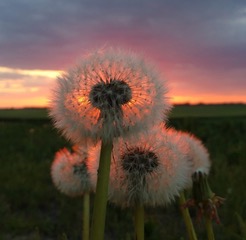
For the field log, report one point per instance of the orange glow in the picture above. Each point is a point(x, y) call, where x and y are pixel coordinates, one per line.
point(31, 88)
point(25, 88)
point(16, 97)
point(22, 102)
point(82, 99)
point(206, 99)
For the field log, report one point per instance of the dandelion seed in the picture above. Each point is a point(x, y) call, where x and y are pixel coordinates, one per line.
point(148, 172)
point(70, 173)
point(109, 94)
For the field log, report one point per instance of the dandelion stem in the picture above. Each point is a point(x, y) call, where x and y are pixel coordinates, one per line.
point(209, 228)
point(101, 196)
point(86, 216)
point(187, 219)
point(139, 222)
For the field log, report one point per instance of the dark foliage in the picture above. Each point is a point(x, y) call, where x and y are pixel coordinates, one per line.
point(29, 201)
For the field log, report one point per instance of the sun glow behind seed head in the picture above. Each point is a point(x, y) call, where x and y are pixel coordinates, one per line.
point(108, 94)
point(31, 88)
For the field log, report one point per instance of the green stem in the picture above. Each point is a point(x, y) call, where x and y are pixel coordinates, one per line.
point(86, 216)
point(209, 228)
point(187, 219)
point(101, 196)
point(139, 222)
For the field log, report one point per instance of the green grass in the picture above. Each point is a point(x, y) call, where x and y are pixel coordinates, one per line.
point(178, 111)
point(213, 110)
point(24, 113)
point(29, 201)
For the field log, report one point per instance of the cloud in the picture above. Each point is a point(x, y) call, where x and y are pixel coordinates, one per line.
point(25, 81)
point(192, 82)
point(36, 35)
point(199, 45)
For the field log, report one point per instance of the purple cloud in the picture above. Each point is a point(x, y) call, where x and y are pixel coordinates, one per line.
point(203, 37)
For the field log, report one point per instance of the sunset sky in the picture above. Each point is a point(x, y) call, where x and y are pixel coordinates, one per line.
point(199, 46)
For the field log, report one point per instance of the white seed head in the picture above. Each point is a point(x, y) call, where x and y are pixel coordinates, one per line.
point(69, 172)
point(109, 94)
point(191, 146)
point(148, 171)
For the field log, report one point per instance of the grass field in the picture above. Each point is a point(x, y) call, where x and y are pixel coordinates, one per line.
point(32, 208)
point(213, 110)
point(178, 111)
point(24, 113)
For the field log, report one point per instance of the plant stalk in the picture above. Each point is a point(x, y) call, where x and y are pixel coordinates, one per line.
point(86, 216)
point(139, 222)
point(187, 219)
point(209, 228)
point(101, 196)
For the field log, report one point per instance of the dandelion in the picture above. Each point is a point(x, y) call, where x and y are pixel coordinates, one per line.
point(147, 172)
point(70, 174)
point(199, 159)
point(204, 199)
point(109, 94)
point(150, 172)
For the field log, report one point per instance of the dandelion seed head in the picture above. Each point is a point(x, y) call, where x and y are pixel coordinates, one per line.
point(110, 93)
point(69, 172)
point(148, 171)
point(194, 150)
point(198, 154)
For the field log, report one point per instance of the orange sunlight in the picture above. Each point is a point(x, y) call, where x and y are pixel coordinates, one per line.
point(25, 88)
point(22, 102)
point(31, 88)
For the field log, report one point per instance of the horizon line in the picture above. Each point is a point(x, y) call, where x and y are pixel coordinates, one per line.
point(174, 104)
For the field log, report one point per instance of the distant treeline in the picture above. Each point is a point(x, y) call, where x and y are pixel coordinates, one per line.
point(209, 104)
